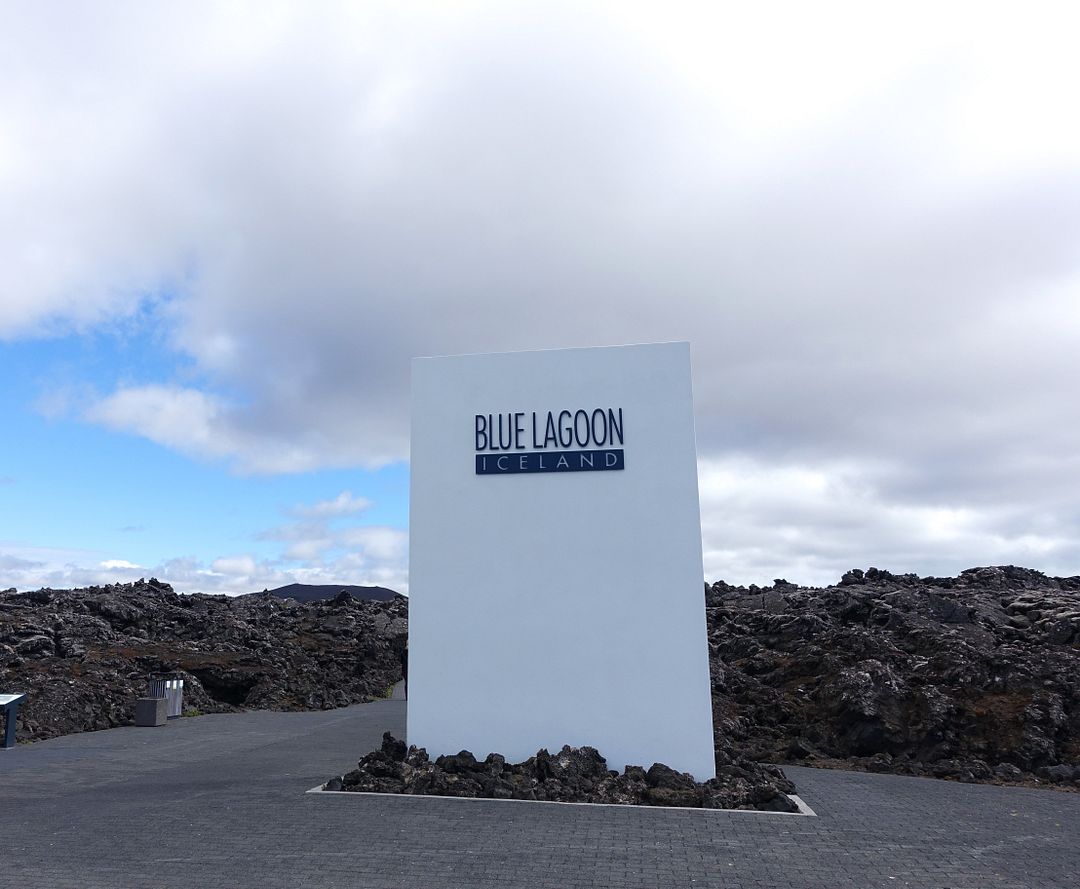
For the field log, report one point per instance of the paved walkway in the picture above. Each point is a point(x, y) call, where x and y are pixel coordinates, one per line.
point(220, 801)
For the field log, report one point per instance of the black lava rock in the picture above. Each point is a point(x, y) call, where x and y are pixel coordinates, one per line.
point(971, 678)
point(84, 655)
point(574, 774)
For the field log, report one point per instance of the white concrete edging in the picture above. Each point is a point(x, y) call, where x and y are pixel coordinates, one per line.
point(804, 809)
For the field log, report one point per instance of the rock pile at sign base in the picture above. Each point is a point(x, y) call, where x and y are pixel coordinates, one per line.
point(573, 775)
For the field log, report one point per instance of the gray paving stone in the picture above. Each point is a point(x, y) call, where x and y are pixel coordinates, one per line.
point(220, 801)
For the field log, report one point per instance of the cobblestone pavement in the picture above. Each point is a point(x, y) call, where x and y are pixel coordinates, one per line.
point(220, 801)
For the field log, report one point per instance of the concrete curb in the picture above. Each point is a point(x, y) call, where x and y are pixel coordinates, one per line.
point(804, 809)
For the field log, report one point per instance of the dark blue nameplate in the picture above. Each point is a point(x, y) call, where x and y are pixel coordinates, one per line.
point(549, 461)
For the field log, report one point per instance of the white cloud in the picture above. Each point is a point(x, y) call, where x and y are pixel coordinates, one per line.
point(763, 520)
point(308, 550)
point(381, 544)
point(183, 419)
point(30, 567)
point(119, 564)
point(374, 553)
point(12, 563)
point(243, 566)
point(316, 549)
point(339, 188)
point(344, 504)
point(200, 425)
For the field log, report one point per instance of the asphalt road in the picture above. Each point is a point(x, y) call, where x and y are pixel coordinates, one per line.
point(220, 801)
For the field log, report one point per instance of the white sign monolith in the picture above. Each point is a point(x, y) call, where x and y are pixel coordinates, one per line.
point(555, 577)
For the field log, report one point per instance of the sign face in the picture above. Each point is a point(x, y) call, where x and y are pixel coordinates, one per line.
point(543, 610)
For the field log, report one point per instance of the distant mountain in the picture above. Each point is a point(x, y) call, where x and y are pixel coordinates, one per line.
point(310, 592)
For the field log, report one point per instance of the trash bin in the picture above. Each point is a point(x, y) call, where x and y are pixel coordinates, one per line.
point(174, 697)
point(171, 688)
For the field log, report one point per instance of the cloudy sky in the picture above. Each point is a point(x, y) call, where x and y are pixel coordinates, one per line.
point(225, 230)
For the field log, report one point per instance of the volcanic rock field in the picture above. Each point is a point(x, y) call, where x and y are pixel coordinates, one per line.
point(974, 678)
point(971, 678)
point(84, 655)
